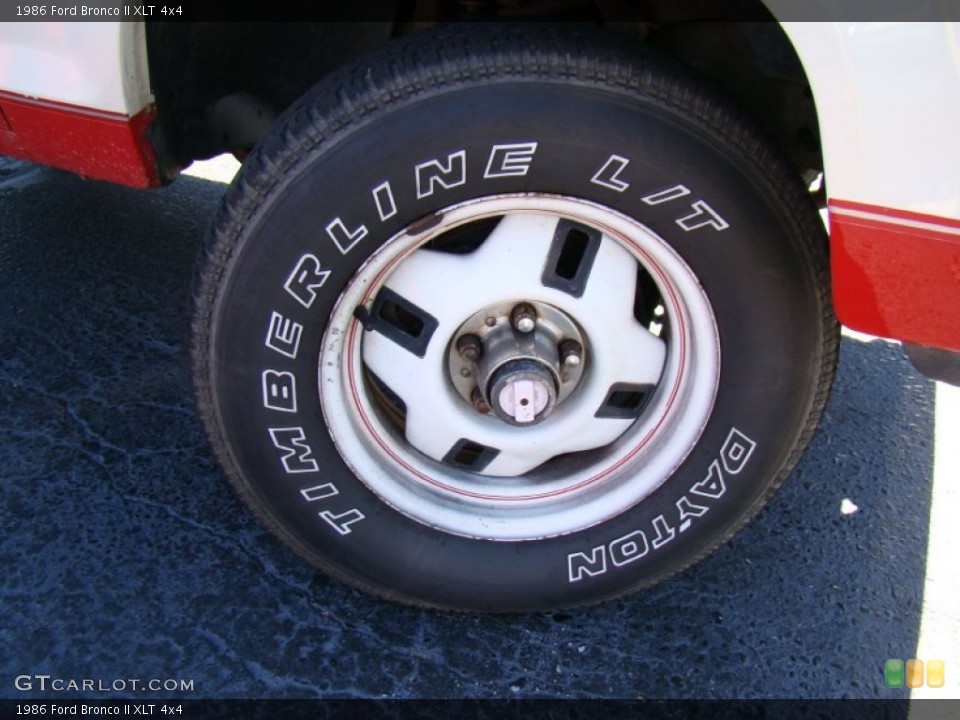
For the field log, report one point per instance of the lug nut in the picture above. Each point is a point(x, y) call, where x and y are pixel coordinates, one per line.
point(571, 353)
point(479, 402)
point(524, 318)
point(470, 348)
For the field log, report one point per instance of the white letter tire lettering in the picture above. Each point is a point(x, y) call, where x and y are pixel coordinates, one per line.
point(629, 548)
point(608, 175)
point(283, 335)
point(305, 279)
point(510, 160)
point(433, 173)
point(665, 533)
point(319, 492)
point(688, 510)
point(712, 486)
point(580, 564)
point(736, 451)
point(344, 239)
point(342, 522)
point(702, 216)
point(279, 391)
point(677, 191)
point(297, 457)
point(386, 205)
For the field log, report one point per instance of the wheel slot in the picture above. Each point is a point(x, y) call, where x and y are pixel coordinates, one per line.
point(625, 400)
point(465, 239)
point(400, 320)
point(571, 254)
point(571, 257)
point(647, 300)
point(469, 455)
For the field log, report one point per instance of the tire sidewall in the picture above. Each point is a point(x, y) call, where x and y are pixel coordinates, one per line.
point(753, 270)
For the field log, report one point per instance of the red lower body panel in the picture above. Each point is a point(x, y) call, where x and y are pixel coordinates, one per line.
point(91, 143)
point(896, 274)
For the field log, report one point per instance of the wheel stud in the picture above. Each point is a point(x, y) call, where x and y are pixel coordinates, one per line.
point(480, 403)
point(470, 348)
point(571, 353)
point(524, 318)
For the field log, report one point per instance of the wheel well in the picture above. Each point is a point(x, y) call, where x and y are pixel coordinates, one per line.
point(219, 86)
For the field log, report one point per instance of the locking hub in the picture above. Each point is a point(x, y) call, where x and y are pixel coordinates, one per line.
point(522, 392)
point(517, 361)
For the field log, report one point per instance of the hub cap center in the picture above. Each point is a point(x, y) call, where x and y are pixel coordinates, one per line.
point(523, 392)
point(517, 360)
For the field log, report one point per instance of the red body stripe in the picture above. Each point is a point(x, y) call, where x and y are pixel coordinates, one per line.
point(898, 214)
point(92, 143)
point(893, 279)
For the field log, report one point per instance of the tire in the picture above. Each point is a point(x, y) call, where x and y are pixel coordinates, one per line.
point(509, 320)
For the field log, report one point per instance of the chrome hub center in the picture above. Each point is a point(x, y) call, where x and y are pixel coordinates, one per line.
point(522, 392)
point(517, 361)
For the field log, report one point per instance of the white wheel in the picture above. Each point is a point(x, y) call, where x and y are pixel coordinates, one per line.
point(397, 397)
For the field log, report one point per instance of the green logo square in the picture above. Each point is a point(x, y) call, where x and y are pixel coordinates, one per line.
point(893, 673)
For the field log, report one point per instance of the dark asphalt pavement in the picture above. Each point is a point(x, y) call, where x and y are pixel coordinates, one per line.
point(125, 554)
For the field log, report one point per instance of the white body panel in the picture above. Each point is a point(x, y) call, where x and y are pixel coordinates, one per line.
point(887, 94)
point(100, 65)
point(888, 104)
point(888, 101)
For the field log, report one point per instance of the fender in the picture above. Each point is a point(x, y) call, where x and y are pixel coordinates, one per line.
point(76, 95)
point(888, 99)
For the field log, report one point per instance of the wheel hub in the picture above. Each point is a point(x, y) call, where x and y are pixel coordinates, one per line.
point(517, 361)
point(522, 392)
